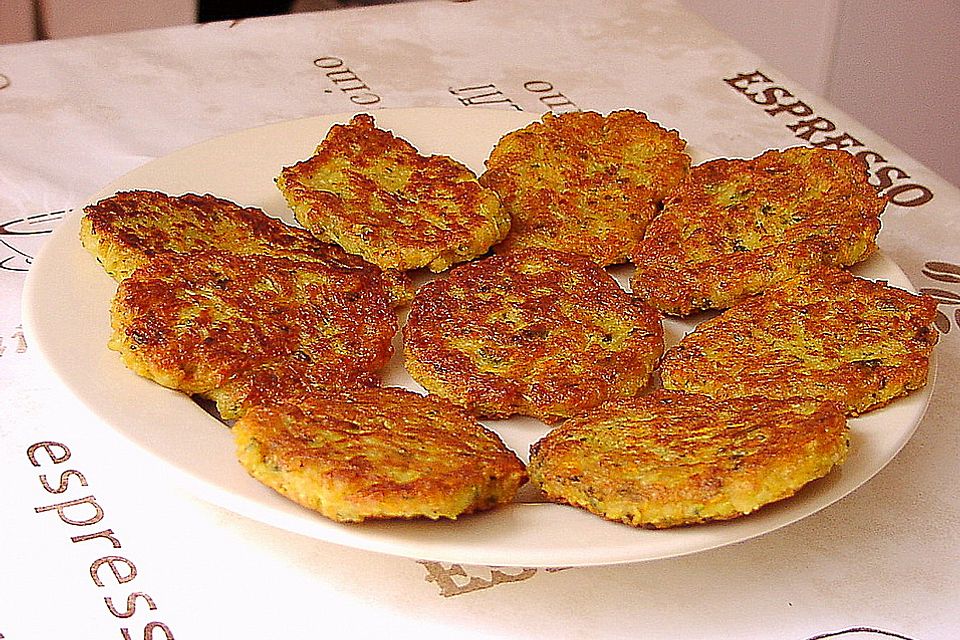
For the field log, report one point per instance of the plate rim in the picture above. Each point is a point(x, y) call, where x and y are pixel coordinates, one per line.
point(37, 329)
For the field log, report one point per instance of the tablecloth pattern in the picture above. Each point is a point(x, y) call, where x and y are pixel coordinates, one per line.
point(76, 114)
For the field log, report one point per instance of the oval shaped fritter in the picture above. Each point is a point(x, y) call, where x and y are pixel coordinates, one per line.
point(585, 183)
point(535, 332)
point(736, 227)
point(669, 459)
point(377, 453)
point(372, 193)
point(242, 329)
point(824, 334)
point(127, 229)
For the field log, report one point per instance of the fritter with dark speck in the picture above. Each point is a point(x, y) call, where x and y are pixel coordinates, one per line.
point(246, 329)
point(668, 459)
point(824, 334)
point(583, 182)
point(736, 227)
point(359, 454)
point(375, 195)
point(534, 332)
point(127, 229)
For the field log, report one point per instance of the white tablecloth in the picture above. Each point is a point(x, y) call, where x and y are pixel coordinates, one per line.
point(76, 114)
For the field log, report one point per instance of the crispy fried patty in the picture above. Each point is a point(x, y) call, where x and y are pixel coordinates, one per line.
point(735, 227)
point(535, 332)
point(376, 196)
point(669, 459)
point(126, 230)
point(242, 329)
point(584, 183)
point(824, 334)
point(377, 453)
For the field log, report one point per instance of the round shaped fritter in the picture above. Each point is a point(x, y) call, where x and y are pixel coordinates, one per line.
point(129, 228)
point(736, 227)
point(377, 453)
point(242, 329)
point(585, 183)
point(669, 459)
point(535, 332)
point(376, 196)
point(824, 334)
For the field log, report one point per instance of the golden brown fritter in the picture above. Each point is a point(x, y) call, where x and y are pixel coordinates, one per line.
point(129, 228)
point(585, 183)
point(824, 334)
point(377, 453)
point(535, 332)
point(126, 230)
point(372, 193)
point(669, 459)
point(238, 329)
point(736, 227)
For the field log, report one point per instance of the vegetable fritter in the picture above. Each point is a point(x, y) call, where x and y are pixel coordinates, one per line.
point(372, 193)
point(377, 453)
point(736, 227)
point(585, 183)
point(244, 329)
point(669, 459)
point(534, 332)
point(129, 228)
point(824, 334)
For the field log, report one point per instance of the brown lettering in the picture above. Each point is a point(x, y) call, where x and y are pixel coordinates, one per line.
point(61, 509)
point(806, 128)
point(483, 94)
point(537, 86)
point(21, 340)
point(112, 561)
point(346, 76)
point(799, 109)
point(770, 96)
point(896, 195)
point(741, 81)
point(106, 533)
point(869, 157)
point(347, 81)
point(558, 100)
point(884, 179)
point(842, 141)
point(64, 481)
point(812, 128)
point(365, 98)
point(325, 62)
point(148, 631)
point(87, 511)
point(47, 446)
point(131, 605)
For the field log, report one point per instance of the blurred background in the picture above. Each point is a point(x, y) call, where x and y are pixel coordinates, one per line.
point(891, 65)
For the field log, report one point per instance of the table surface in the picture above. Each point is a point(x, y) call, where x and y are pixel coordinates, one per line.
point(77, 114)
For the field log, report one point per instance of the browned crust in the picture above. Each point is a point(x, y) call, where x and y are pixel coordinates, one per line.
point(825, 334)
point(236, 328)
point(372, 193)
point(668, 459)
point(736, 227)
point(378, 453)
point(535, 332)
point(585, 183)
point(126, 230)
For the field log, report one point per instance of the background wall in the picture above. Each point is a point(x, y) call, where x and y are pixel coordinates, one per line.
point(25, 20)
point(891, 65)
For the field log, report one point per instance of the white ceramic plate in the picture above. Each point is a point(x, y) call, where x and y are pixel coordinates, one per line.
point(66, 314)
